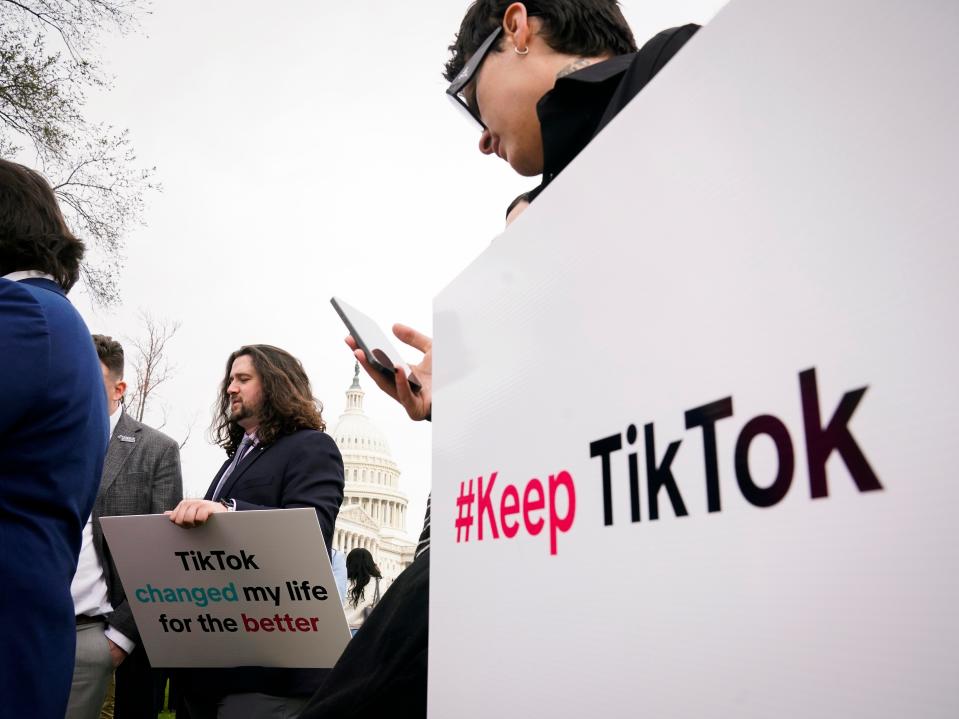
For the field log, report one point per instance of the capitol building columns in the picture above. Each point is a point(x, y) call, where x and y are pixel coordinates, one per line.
point(346, 541)
point(373, 513)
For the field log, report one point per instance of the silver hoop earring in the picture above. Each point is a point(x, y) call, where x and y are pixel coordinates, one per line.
point(524, 51)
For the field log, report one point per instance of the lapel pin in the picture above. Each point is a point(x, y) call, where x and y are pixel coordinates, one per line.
point(125, 438)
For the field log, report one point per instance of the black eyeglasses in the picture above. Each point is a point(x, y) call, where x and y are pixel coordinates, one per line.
point(455, 90)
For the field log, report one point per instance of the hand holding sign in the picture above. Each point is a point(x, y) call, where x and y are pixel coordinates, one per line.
point(229, 592)
point(194, 512)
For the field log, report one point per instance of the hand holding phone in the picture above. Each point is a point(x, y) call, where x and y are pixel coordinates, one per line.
point(378, 350)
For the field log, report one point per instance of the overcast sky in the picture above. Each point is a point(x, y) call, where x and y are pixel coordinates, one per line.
point(305, 150)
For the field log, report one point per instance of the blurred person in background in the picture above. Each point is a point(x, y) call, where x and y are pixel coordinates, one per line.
point(360, 569)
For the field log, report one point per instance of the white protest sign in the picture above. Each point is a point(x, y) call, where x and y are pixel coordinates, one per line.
point(244, 589)
point(696, 413)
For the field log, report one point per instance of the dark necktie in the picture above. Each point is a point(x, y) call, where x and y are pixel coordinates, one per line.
point(241, 451)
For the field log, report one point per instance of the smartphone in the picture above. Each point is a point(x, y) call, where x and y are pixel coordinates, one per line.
point(379, 351)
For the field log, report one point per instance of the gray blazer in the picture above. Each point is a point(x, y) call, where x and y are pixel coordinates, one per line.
point(139, 477)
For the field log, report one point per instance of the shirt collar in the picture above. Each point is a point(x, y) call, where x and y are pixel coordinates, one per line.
point(115, 419)
point(20, 275)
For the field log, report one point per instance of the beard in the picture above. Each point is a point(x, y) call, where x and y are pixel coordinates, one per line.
point(242, 411)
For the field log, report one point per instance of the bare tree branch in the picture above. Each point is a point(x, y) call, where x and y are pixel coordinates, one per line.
point(153, 369)
point(189, 430)
point(150, 363)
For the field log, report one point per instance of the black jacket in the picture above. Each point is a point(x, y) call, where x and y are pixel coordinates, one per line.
point(382, 672)
point(581, 104)
point(303, 469)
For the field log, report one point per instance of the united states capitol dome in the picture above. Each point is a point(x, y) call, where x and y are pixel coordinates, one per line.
point(355, 431)
point(372, 477)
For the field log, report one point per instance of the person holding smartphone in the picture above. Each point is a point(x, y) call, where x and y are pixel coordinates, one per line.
point(538, 80)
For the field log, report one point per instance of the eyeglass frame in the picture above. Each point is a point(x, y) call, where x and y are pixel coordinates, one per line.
point(467, 75)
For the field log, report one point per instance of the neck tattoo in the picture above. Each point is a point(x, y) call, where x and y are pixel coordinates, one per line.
point(575, 66)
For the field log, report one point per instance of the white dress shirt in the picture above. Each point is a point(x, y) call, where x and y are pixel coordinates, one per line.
point(89, 587)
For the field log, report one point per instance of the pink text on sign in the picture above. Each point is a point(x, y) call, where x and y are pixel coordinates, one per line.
point(531, 508)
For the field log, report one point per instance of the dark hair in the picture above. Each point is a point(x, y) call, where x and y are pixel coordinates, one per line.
point(288, 402)
point(586, 28)
point(110, 353)
point(523, 197)
point(33, 233)
point(360, 568)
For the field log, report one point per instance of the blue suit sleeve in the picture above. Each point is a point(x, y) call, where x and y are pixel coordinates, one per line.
point(24, 354)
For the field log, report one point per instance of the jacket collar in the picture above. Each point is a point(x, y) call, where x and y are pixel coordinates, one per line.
point(122, 444)
point(251, 456)
point(44, 283)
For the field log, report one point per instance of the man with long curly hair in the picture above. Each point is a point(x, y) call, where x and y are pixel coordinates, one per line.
point(278, 456)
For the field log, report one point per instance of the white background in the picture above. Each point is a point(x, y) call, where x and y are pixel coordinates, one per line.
point(781, 197)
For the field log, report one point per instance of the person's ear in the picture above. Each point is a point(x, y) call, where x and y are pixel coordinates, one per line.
point(516, 28)
point(120, 389)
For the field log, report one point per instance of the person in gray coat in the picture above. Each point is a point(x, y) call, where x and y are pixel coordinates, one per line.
point(141, 475)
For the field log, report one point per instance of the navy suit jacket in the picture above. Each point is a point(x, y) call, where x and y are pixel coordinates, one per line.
point(53, 437)
point(303, 469)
